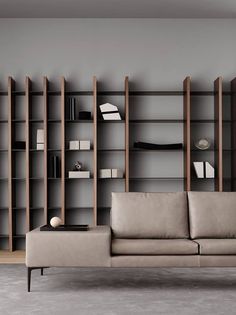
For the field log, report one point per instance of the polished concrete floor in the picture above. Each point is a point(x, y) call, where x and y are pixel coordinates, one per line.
point(118, 291)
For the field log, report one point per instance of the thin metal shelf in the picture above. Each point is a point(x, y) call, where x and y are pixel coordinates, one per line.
point(88, 121)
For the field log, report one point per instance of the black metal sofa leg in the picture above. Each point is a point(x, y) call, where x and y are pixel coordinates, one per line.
point(29, 270)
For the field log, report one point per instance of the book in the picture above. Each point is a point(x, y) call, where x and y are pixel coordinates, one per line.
point(209, 170)
point(199, 169)
point(79, 174)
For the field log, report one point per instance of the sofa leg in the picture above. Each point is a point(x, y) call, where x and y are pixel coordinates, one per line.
point(29, 277)
point(41, 271)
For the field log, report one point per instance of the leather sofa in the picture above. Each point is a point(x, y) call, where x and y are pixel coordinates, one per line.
point(181, 229)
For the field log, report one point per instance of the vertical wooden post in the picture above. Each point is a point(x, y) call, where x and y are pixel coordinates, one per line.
point(218, 134)
point(187, 134)
point(10, 161)
point(126, 134)
point(95, 150)
point(63, 132)
point(233, 134)
point(27, 156)
point(45, 150)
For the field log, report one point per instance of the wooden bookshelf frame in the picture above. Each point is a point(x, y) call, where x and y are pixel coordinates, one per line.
point(27, 152)
point(11, 85)
point(95, 171)
point(187, 133)
point(186, 93)
point(45, 150)
point(63, 137)
point(126, 134)
point(233, 134)
point(218, 134)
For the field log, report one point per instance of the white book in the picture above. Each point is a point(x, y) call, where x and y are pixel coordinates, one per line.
point(111, 116)
point(40, 136)
point(116, 173)
point(108, 107)
point(105, 173)
point(210, 171)
point(84, 144)
point(79, 174)
point(40, 146)
point(199, 169)
point(74, 145)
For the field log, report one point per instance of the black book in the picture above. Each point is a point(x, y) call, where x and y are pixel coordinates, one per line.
point(72, 108)
point(55, 167)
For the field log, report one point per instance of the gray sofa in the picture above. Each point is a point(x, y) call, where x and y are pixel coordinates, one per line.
point(194, 229)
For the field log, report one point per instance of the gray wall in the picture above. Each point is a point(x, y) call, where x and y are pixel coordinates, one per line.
point(155, 53)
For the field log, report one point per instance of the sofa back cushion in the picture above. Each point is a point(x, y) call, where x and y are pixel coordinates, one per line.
point(212, 214)
point(149, 215)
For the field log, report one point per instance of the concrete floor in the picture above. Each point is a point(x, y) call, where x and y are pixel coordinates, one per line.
point(118, 291)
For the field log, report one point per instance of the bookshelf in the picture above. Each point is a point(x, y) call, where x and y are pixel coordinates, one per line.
point(33, 195)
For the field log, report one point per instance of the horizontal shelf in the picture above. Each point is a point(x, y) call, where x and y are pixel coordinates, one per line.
point(19, 236)
point(4, 236)
point(121, 93)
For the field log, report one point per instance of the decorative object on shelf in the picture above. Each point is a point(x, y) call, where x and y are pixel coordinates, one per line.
point(204, 170)
point(117, 173)
point(110, 112)
point(199, 169)
point(209, 170)
point(19, 145)
point(79, 174)
point(85, 115)
point(55, 166)
point(72, 108)
point(84, 145)
point(105, 173)
point(74, 145)
point(154, 146)
point(78, 166)
point(67, 227)
point(111, 173)
point(40, 139)
point(55, 222)
point(203, 144)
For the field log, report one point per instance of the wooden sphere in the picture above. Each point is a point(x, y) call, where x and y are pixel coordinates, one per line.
point(55, 222)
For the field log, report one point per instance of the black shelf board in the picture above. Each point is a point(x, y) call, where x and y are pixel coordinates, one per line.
point(122, 93)
point(18, 150)
point(4, 236)
point(156, 178)
point(88, 121)
point(157, 150)
point(120, 121)
point(54, 121)
point(79, 208)
point(4, 121)
point(19, 236)
point(54, 150)
point(72, 178)
point(36, 120)
point(161, 121)
point(69, 150)
point(18, 120)
point(111, 150)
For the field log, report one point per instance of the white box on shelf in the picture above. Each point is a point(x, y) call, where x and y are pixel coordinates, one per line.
point(105, 173)
point(40, 136)
point(199, 169)
point(210, 171)
point(74, 145)
point(84, 144)
point(117, 173)
point(79, 174)
point(40, 146)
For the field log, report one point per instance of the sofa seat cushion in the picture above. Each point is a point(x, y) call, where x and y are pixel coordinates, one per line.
point(154, 247)
point(212, 214)
point(149, 215)
point(217, 246)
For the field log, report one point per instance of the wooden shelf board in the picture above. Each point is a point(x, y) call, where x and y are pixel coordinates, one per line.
point(15, 257)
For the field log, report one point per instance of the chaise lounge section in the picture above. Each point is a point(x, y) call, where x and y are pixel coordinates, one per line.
point(194, 229)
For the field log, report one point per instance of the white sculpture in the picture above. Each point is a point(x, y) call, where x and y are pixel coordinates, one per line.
point(55, 222)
